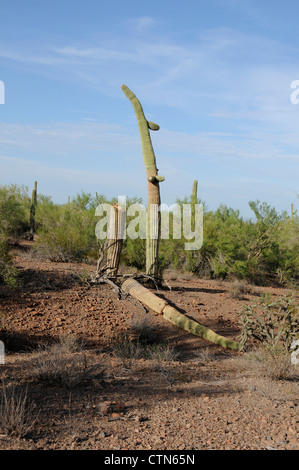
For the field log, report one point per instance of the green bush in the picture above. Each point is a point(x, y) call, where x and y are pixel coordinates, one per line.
point(66, 232)
point(14, 223)
point(8, 273)
point(15, 210)
point(260, 251)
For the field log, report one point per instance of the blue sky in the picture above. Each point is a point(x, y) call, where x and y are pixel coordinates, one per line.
point(214, 74)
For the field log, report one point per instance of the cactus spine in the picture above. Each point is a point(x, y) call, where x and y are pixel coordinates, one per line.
point(32, 210)
point(153, 225)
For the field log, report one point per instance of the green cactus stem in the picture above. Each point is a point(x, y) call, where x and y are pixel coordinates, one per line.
point(32, 211)
point(193, 203)
point(153, 180)
point(194, 192)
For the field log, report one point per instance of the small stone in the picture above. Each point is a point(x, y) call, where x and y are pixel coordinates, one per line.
point(104, 407)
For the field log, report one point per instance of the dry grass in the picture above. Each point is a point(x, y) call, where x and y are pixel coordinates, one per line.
point(239, 288)
point(143, 330)
point(273, 363)
point(17, 414)
point(65, 363)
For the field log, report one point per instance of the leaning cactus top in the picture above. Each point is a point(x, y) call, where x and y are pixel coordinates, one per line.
point(144, 126)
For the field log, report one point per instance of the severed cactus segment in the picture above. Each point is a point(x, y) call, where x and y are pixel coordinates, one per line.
point(143, 124)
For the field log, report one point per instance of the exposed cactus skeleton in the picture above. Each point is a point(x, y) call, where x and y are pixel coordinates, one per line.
point(113, 245)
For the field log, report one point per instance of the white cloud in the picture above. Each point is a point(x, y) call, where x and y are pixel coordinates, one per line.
point(232, 88)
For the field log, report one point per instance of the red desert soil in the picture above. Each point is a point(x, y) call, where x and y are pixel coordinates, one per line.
point(203, 398)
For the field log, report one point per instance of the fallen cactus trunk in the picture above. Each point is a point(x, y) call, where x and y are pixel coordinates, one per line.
point(160, 306)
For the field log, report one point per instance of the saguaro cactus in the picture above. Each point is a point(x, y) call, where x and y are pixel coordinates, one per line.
point(32, 210)
point(153, 225)
point(193, 202)
point(194, 192)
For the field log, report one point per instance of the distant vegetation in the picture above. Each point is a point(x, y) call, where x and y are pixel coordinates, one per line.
point(261, 251)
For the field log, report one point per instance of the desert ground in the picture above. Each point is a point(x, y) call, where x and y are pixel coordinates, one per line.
point(131, 380)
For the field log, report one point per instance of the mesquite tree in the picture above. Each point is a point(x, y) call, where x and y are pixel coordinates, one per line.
point(153, 221)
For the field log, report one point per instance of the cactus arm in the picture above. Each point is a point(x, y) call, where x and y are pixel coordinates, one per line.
point(153, 179)
point(152, 126)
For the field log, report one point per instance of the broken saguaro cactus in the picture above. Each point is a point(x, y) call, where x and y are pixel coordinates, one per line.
point(113, 245)
point(115, 239)
point(32, 210)
point(153, 224)
point(171, 314)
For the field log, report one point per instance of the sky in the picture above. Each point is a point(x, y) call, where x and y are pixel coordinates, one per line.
point(216, 75)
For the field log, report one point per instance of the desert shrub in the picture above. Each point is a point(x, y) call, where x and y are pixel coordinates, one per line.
point(274, 363)
point(8, 273)
point(239, 288)
point(17, 414)
point(143, 330)
point(139, 343)
point(127, 350)
point(64, 363)
point(160, 353)
point(287, 237)
point(262, 251)
point(14, 223)
point(273, 323)
point(67, 232)
point(133, 253)
point(14, 209)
